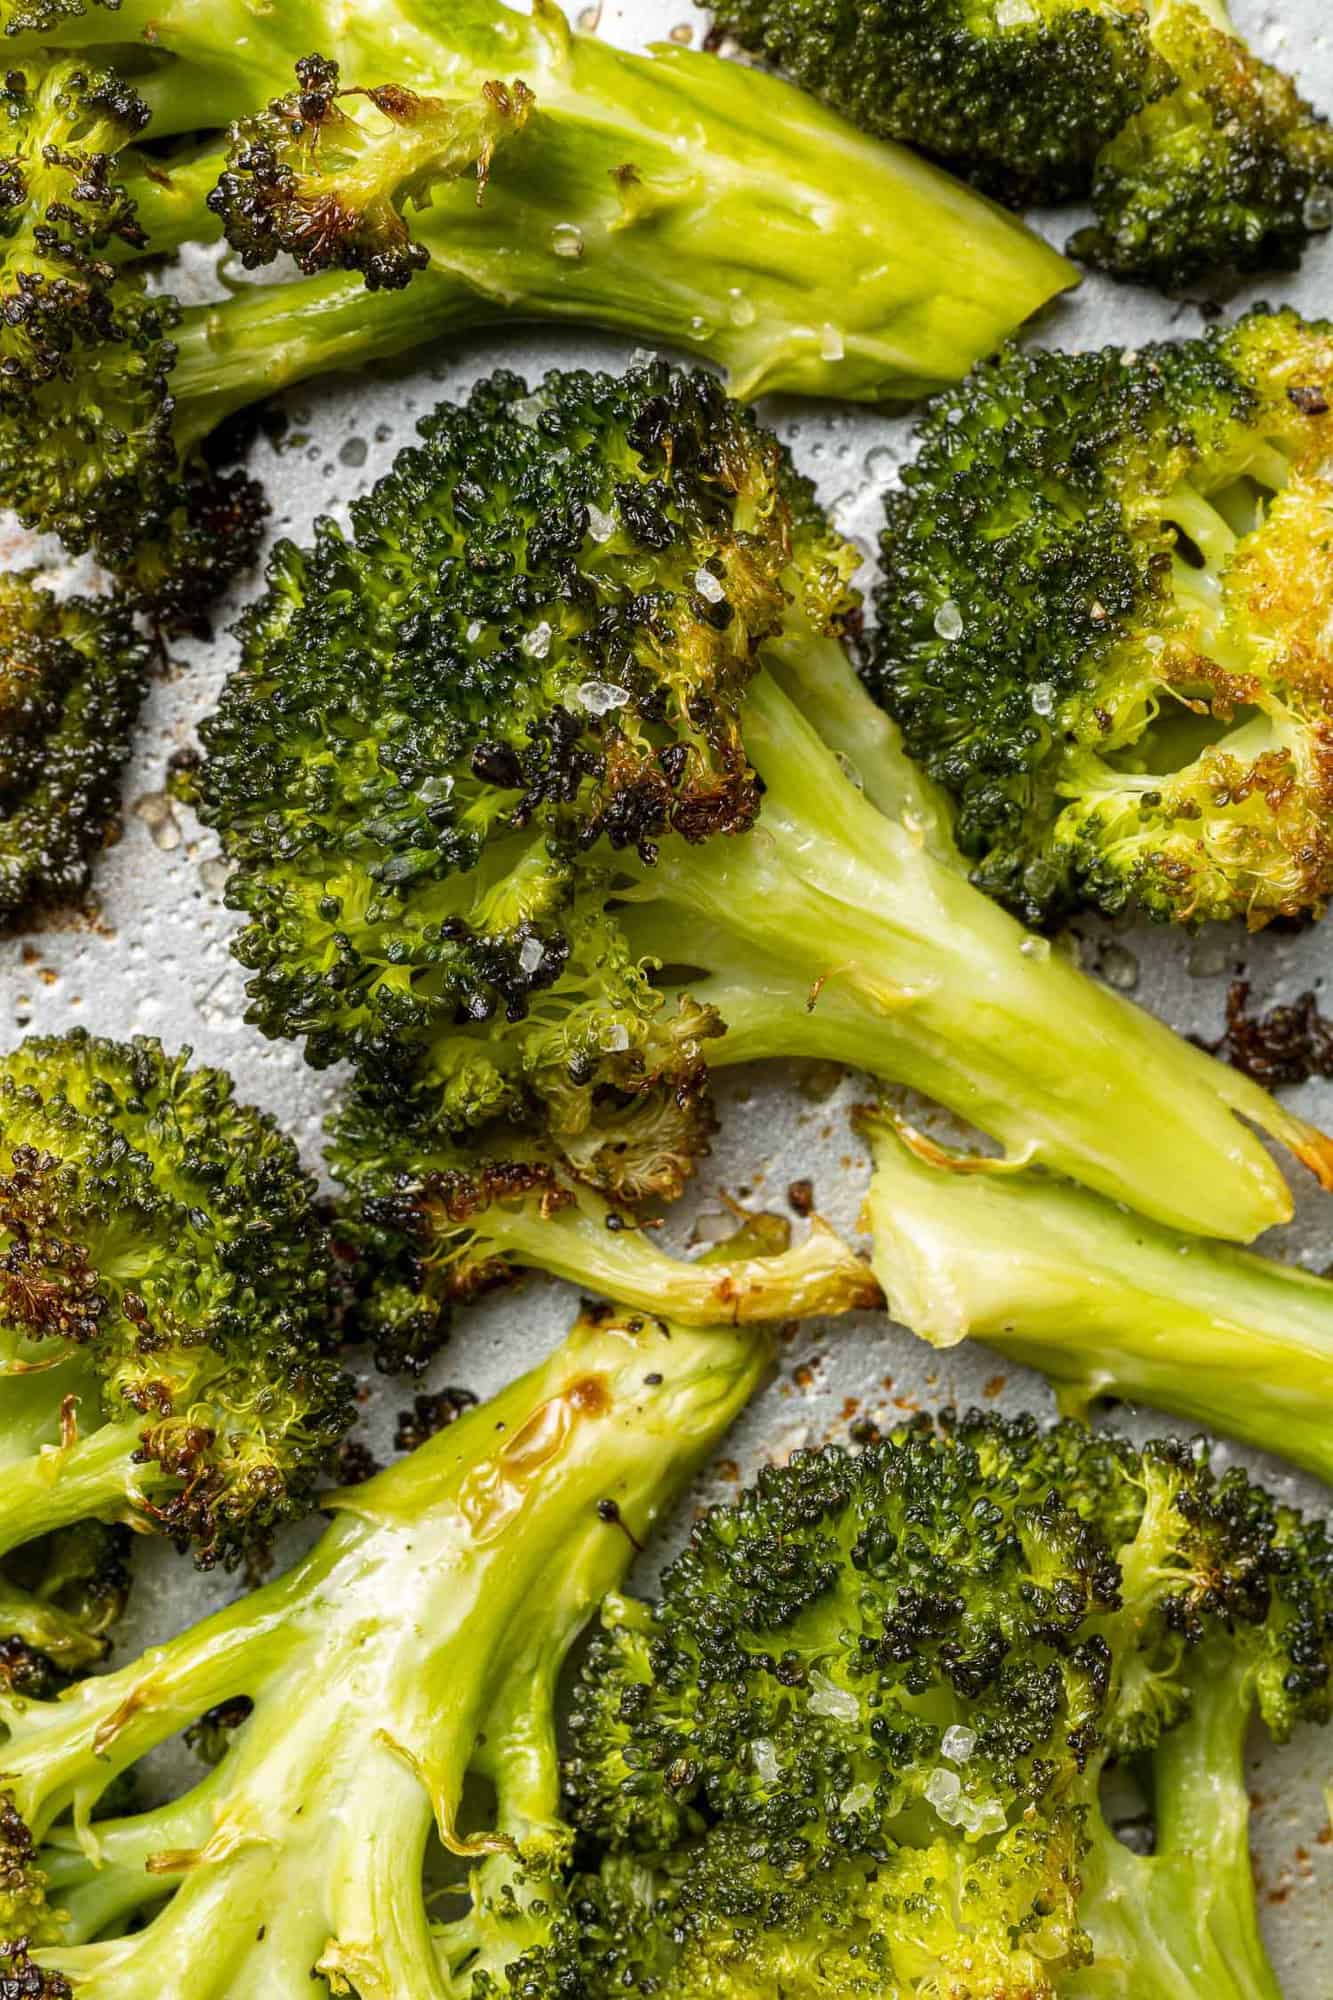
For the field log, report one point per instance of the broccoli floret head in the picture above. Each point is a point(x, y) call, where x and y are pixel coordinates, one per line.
point(856, 1745)
point(310, 177)
point(453, 736)
point(1196, 155)
point(1099, 623)
point(72, 675)
point(167, 1291)
point(1229, 167)
point(1019, 98)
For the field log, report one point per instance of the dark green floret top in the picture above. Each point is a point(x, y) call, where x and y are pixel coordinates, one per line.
point(72, 675)
point(166, 1292)
point(1102, 623)
point(1196, 155)
point(856, 1745)
point(456, 734)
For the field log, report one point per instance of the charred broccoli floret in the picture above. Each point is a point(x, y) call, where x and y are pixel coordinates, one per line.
point(1101, 623)
point(857, 1744)
point(627, 198)
point(1103, 1301)
point(72, 676)
point(167, 1303)
point(1196, 155)
point(533, 821)
point(434, 1225)
point(416, 1649)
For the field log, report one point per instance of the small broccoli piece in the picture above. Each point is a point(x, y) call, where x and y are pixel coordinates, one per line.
point(433, 1226)
point(546, 722)
point(1197, 156)
point(857, 1744)
point(458, 1581)
point(167, 1302)
point(1227, 168)
point(59, 1598)
point(305, 176)
point(72, 676)
point(1101, 1300)
point(1105, 580)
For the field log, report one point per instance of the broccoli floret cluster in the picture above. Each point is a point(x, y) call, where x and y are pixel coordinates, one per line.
point(1196, 155)
point(72, 676)
point(856, 1745)
point(168, 1300)
point(1100, 623)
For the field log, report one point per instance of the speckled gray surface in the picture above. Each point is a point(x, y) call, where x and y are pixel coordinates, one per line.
point(154, 959)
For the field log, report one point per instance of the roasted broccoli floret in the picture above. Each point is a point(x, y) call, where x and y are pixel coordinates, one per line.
point(414, 1652)
point(1101, 623)
point(1101, 1300)
point(433, 1225)
point(856, 1746)
point(390, 150)
point(167, 1300)
point(72, 676)
point(1196, 155)
point(59, 1598)
point(532, 820)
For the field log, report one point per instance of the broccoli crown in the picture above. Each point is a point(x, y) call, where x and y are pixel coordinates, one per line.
point(162, 1255)
point(1021, 99)
point(1196, 155)
point(305, 176)
point(1100, 623)
point(71, 679)
point(1228, 167)
point(856, 1743)
point(452, 736)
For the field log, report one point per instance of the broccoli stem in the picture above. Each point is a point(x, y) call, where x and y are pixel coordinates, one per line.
point(1181, 1923)
point(439, 1604)
point(93, 1478)
point(882, 957)
point(578, 1243)
point(1101, 1300)
point(672, 196)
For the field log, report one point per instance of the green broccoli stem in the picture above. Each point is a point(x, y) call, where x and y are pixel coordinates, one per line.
point(882, 957)
point(1101, 1300)
point(1181, 1923)
point(672, 196)
point(94, 1478)
point(61, 1638)
point(582, 1244)
point(170, 197)
point(443, 1598)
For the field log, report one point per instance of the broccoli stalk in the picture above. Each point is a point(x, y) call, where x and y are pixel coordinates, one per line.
point(168, 1302)
point(418, 1646)
point(621, 199)
point(1196, 155)
point(1101, 1300)
point(857, 1744)
point(527, 828)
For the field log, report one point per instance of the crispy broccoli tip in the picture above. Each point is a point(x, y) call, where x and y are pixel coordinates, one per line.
point(72, 676)
point(1197, 156)
point(432, 1227)
point(856, 1746)
point(308, 177)
point(1100, 623)
point(168, 1302)
point(1104, 1302)
point(461, 1577)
